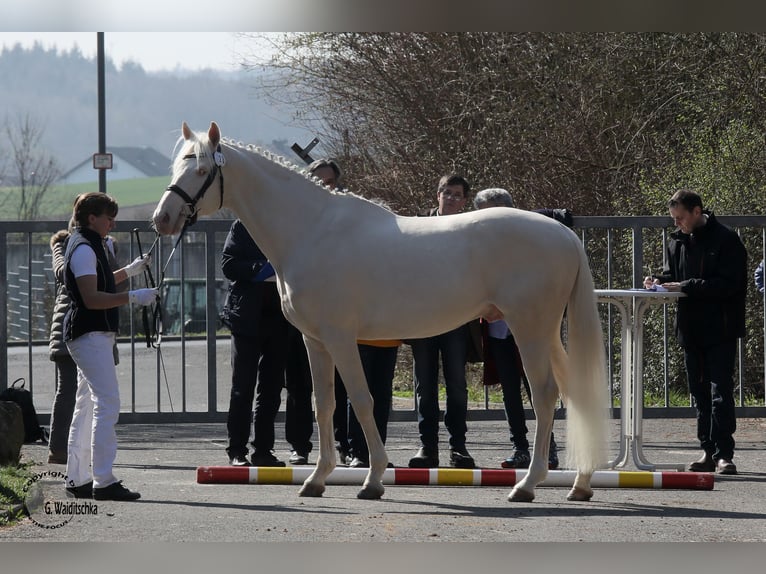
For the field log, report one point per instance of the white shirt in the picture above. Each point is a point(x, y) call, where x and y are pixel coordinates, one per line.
point(83, 261)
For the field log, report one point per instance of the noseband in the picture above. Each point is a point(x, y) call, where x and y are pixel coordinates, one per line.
point(190, 203)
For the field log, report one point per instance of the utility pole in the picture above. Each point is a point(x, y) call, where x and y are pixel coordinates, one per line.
point(101, 161)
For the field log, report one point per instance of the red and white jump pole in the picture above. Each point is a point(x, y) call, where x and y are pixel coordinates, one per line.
point(453, 477)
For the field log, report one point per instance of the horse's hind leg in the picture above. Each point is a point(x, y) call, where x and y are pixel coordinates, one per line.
point(322, 373)
point(581, 490)
point(544, 396)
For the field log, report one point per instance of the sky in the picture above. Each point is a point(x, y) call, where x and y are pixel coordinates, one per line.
point(154, 51)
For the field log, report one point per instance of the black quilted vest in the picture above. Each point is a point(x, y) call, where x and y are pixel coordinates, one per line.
point(79, 319)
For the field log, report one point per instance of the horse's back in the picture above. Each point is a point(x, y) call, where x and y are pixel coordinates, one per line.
point(390, 276)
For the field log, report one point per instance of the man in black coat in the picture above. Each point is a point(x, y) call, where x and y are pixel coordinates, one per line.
point(253, 312)
point(708, 262)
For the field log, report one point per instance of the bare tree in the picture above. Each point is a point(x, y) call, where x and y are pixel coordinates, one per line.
point(30, 171)
point(586, 121)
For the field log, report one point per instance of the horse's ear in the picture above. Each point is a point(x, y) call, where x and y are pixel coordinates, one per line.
point(214, 134)
point(187, 133)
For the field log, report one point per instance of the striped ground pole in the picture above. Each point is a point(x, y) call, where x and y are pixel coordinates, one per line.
point(453, 477)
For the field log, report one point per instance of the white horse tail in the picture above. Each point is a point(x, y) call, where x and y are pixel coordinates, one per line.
point(587, 387)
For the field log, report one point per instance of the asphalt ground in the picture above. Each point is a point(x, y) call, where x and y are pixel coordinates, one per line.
point(160, 461)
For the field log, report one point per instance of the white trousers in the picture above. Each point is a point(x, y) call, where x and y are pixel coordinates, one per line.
point(92, 437)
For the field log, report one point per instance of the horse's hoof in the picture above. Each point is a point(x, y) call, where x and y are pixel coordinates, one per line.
point(521, 495)
point(311, 489)
point(580, 494)
point(371, 492)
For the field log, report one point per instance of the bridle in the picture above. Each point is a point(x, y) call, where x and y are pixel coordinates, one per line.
point(190, 203)
point(154, 337)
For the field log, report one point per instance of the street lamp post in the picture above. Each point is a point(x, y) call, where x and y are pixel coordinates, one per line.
point(101, 109)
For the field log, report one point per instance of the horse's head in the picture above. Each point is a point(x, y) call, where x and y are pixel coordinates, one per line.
point(194, 171)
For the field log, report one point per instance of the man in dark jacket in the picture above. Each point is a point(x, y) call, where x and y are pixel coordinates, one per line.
point(708, 262)
point(253, 312)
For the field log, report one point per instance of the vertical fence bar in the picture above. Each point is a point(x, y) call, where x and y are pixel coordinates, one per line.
point(30, 380)
point(212, 384)
point(4, 310)
point(131, 321)
point(183, 325)
point(609, 316)
point(638, 256)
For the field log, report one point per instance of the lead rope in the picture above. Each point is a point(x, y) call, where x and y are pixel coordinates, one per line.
point(153, 329)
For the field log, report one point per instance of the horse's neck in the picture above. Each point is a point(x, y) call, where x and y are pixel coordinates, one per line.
point(278, 206)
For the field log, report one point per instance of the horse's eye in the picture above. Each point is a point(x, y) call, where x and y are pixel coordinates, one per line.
point(201, 171)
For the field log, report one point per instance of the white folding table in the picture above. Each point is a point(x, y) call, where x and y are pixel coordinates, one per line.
point(632, 305)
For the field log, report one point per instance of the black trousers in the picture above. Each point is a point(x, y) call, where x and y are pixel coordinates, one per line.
point(379, 364)
point(63, 404)
point(509, 371)
point(453, 347)
point(299, 415)
point(710, 373)
point(258, 366)
point(340, 415)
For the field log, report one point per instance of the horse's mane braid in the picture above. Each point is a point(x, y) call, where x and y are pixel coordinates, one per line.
point(278, 159)
point(287, 164)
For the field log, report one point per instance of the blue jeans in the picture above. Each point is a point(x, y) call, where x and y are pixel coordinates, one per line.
point(425, 352)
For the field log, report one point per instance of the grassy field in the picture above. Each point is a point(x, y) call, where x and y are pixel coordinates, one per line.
point(58, 201)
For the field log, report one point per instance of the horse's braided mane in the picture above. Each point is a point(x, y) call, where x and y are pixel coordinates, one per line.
point(200, 144)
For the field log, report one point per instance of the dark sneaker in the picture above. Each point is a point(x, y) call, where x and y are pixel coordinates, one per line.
point(57, 458)
point(725, 466)
point(459, 458)
point(553, 459)
point(705, 464)
point(115, 491)
point(239, 460)
point(298, 458)
point(357, 462)
point(520, 459)
point(425, 458)
point(344, 457)
point(265, 459)
point(82, 491)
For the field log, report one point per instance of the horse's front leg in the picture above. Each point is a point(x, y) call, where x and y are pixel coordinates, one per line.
point(346, 355)
point(322, 373)
point(350, 368)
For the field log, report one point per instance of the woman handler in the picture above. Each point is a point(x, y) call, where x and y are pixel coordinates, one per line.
point(90, 328)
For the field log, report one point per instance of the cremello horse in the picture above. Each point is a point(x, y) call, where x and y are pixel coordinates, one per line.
point(349, 269)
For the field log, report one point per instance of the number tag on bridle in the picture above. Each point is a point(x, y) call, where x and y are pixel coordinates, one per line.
point(218, 158)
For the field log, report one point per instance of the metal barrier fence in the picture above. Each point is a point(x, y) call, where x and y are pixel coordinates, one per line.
point(188, 379)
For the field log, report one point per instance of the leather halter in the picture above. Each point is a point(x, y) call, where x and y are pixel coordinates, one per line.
point(191, 203)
